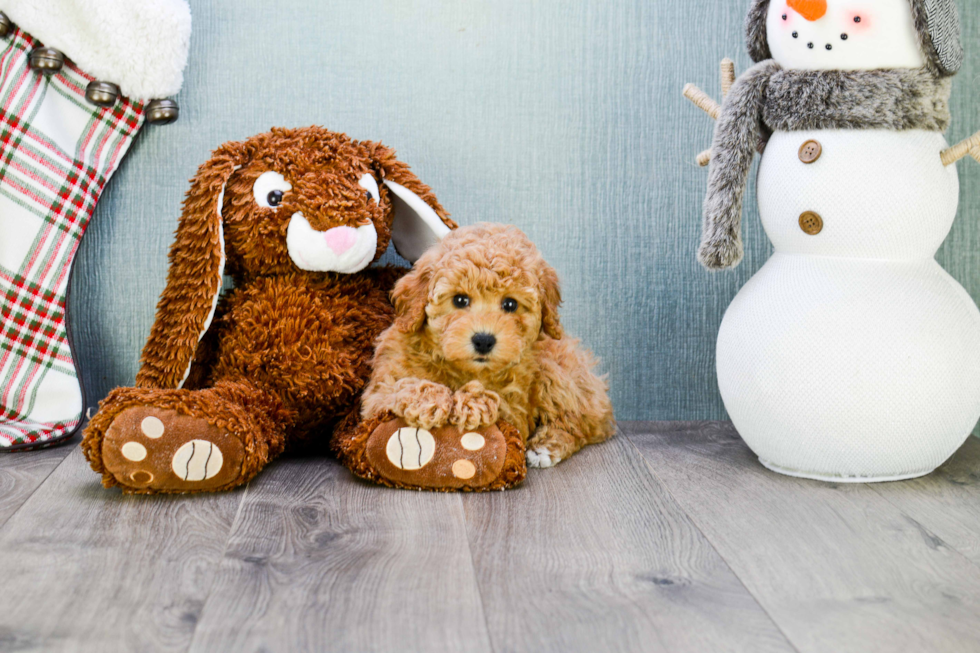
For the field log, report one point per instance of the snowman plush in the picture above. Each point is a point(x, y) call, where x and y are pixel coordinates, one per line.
point(851, 355)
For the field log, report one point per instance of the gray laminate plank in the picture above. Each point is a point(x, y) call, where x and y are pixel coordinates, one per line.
point(595, 555)
point(947, 502)
point(322, 562)
point(89, 569)
point(836, 566)
point(22, 472)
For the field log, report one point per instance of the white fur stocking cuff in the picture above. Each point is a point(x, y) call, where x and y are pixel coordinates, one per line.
point(140, 45)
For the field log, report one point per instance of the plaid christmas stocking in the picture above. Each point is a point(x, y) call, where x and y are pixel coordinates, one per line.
point(57, 151)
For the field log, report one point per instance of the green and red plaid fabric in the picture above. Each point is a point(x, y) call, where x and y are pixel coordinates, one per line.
point(57, 151)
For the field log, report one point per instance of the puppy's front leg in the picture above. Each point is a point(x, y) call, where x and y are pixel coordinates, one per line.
point(474, 406)
point(423, 404)
point(550, 445)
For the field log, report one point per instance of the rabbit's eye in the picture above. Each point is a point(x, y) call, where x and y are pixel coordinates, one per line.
point(370, 186)
point(269, 189)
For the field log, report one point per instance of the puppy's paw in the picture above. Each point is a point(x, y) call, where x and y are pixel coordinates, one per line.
point(423, 404)
point(549, 446)
point(474, 406)
point(541, 458)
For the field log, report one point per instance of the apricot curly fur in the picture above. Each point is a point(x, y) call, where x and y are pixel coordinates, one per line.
point(543, 382)
point(287, 352)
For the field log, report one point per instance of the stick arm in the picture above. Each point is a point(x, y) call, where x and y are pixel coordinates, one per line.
point(970, 146)
point(701, 100)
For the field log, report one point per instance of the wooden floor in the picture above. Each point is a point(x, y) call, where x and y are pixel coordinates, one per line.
point(670, 537)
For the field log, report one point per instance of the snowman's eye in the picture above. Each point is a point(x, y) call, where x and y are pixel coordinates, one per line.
point(370, 186)
point(857, 19)
point(784, 16)
point(269, 188)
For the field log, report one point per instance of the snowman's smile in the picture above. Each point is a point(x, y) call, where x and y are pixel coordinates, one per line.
point(843, 34)
point(818, 34)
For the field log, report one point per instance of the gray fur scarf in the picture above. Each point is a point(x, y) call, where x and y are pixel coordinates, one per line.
point(767, 98)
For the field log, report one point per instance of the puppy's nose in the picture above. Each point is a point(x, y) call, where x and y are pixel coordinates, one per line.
point(483, 342)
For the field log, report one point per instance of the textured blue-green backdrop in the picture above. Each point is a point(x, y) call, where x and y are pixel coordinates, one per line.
point(562, 117)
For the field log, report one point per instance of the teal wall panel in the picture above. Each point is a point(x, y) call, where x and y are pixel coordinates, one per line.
point(564, 118)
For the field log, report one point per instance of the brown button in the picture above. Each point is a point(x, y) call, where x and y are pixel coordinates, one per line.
point(811, 223)
point(810, 151)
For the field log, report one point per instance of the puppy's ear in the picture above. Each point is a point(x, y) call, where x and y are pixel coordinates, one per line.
point(550, 301)
point(197, 261)
point(418, 220)
point(411, 295)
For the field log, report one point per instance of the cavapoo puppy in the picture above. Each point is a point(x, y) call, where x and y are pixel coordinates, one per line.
point(476, 338)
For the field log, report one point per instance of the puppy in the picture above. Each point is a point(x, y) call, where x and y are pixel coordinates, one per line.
point(476, 338)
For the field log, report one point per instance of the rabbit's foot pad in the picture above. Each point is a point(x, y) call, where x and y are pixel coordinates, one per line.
point(147, 448)
point(445, 458)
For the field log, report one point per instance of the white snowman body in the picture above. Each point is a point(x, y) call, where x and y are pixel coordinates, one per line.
point(852, 355)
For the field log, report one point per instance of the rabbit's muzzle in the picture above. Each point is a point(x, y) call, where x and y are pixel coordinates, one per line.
point(338, 249)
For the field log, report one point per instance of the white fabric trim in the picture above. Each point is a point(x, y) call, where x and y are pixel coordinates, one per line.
point(217, 292)
point(415, 226)
point(140, 45)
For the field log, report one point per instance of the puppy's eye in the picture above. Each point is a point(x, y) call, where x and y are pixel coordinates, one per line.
point(370, 186)
point(269, 189)
point(461, 301)
point(509, 305)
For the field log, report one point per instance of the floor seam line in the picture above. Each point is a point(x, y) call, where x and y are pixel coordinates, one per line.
point(707, 539)
point(38, 487)
point(476, 578)
point(217, 566)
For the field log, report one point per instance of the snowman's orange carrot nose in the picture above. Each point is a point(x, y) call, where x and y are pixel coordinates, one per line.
point(809, 9)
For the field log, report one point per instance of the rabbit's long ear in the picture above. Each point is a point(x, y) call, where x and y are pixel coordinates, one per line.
point(419, 220)
point(197, 261)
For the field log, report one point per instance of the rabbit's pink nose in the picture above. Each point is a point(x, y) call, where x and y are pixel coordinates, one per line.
point(340, 239)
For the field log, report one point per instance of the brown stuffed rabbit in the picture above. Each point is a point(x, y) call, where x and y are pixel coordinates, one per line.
point(294, 216)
